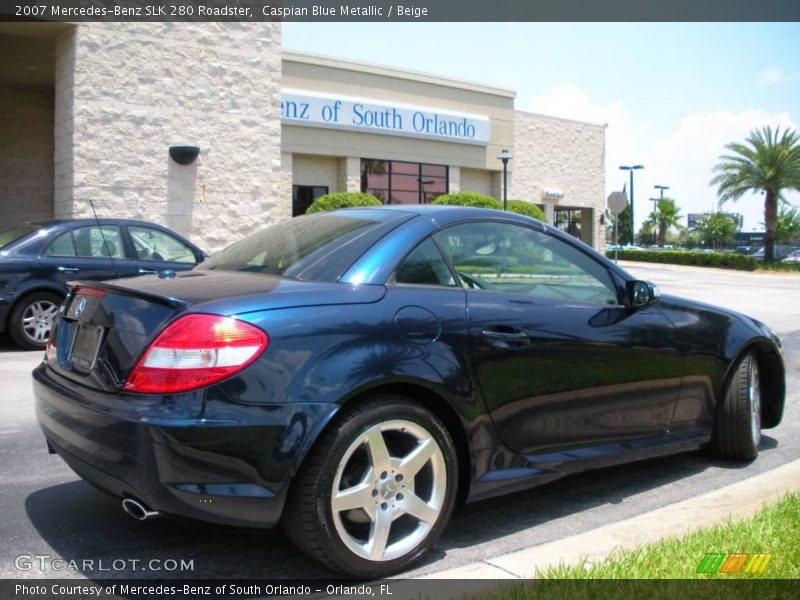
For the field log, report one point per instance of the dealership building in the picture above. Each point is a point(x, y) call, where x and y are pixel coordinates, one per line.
point(89, 112)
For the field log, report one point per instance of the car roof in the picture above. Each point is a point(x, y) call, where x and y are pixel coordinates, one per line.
point(444, 214)
point(91, 221)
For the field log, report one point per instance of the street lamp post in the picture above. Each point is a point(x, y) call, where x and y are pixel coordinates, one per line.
point(505, 156)
point(631, 169)
point(661, 189)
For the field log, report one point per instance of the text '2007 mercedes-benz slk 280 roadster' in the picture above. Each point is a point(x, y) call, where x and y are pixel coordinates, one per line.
point(355, 374)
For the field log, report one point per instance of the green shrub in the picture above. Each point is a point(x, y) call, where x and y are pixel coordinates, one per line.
point(779, 266)
point(469, 199)
point(522, 207)
point(723, 260)
point(480, 201)
point(342, 200)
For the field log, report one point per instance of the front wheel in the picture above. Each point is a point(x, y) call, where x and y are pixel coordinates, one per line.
point(377, 491)
point(737, 422)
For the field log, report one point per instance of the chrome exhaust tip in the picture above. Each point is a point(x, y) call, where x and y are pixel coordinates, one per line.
point(138, 510)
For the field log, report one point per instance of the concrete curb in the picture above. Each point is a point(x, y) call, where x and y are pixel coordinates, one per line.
point(737, 500)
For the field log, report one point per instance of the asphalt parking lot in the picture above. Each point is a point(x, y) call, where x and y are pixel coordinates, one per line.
point(48, 511)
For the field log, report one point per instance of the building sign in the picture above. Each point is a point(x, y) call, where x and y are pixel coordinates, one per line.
point(310, 109)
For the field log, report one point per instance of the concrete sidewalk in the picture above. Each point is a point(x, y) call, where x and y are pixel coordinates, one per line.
point(738, 500)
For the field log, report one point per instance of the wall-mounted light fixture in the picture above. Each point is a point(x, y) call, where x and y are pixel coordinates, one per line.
point(184, 155)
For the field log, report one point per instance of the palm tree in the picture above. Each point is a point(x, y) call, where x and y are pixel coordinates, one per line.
point(768, 162)
point(667, 216)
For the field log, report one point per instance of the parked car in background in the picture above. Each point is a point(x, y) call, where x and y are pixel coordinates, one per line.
point(780, 252)
point(37, 259)
point(794, 257)
point(354, 374)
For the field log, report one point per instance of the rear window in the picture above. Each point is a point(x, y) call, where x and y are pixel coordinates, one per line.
point(291, 248)
point(10, 236)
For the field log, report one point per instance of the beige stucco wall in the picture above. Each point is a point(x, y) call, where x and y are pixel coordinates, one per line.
point(316, 170)
point(333, 76)
point(476, 181)
point(125, 92)
point(26, 154)
point(563, 155)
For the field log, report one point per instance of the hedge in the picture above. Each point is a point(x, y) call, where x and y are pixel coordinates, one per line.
point(469, 199)
point(526, 208)
point(479, 200)
point(724, 260)
point(342, 200)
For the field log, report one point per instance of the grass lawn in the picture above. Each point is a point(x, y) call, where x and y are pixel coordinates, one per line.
point(774, 530)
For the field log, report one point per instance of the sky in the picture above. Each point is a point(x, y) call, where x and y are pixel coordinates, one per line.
point(671, 94)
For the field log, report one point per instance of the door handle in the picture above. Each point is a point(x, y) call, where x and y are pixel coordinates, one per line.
point(506, 337)
point(68, 269)
point(147, 272)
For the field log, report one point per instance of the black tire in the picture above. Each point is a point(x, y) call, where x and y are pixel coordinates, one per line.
point(737, 421)
point(32, 318)
point(343, 457)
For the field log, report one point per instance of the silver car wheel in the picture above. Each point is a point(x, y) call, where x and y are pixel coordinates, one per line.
point(38, 319)
point(389, 490)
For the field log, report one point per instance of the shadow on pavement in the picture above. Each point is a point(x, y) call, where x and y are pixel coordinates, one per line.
point(81, 523)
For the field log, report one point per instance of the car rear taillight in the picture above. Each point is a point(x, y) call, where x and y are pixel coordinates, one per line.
point(195, 351)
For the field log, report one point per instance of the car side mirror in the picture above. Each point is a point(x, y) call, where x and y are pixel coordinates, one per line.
point(641, 293)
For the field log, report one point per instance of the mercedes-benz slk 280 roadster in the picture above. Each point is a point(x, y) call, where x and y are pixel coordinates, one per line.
point(355, 374)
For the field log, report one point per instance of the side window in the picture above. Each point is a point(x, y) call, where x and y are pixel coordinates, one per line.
point(425, 266)
point(88, 242)
point(152, 244)
point(62, 246)
point(512, 258)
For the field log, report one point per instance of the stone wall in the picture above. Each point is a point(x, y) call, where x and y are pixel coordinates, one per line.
point(126, 92)
point(562, 156)
point(26, 154)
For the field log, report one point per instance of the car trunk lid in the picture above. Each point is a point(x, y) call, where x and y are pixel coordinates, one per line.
point(105, 327)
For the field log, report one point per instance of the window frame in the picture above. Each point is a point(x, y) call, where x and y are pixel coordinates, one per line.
point(135, 255)
point(121, 234)
point(457, 284)
point(615, 282)
point(420, 190)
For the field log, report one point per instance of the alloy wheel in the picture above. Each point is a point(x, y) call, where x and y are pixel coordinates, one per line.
point(389, 490)
point(38, 319)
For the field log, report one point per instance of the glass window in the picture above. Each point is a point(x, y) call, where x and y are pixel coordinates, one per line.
point(511, 258)
point(62, 246)
point(88, 242)
point(303, 196)
point(397, 182)
point(289, 248)
point(12, 235)
point(152, 244)
point(425, 266)
point(569, 220)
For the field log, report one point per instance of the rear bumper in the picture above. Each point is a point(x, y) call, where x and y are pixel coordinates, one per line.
point(232, 471)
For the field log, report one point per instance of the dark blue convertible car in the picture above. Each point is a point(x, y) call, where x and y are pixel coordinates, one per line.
point(355, 374)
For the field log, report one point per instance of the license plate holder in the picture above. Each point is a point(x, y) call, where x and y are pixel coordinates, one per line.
point(86, 347)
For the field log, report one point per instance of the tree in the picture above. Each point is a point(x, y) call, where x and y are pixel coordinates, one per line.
point(624, 226)
point(666, 217)
point(787, 225)
point(768, 162)
point(646, 235)
point(716, 229)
